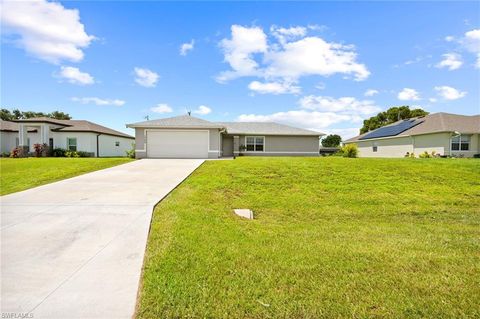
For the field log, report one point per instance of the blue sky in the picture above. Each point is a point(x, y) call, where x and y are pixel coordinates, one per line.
point(322, 65)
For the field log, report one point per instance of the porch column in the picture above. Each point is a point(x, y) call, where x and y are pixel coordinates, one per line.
point(44, 133)
point(236, 145)
point(22, 135)
point(23, 139)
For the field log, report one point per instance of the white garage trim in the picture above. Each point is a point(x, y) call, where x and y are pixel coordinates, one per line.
point(175, 130)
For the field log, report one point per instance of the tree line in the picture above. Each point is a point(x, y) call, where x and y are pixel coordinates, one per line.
point(16, 114)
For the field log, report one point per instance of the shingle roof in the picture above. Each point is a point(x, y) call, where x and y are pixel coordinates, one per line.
point(438, 122)
point(187, 121)
point(86, 126)
point(265, 128)
point(182, 121)
point(67, 126)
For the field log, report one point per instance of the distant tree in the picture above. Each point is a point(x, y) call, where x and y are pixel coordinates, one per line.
point(60, 115)
point(332, 140)
point(5, 115)
point(16, 114)
point(389, 116)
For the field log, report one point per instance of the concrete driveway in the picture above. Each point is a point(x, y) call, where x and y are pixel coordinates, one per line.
point(74, 248)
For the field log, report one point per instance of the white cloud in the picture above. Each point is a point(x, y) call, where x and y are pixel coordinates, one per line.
point(75, 76)
point(449, 93)
point(274, 87)
point(452, 61)
point(146, 77)
point(432, 100)
point(320, 86)
point(286, 34)
point(288, 55)
point(472, 44)
point(185, 47)
point(371, 92)
point(314, 56)
point(46, 30)
point(449, 38)
point(162, 108)
point(300, 118)
point(98, 101)
point(238, 51)
point(203, 110)
point(346, 105)
point(471, 40)
point(408, 94)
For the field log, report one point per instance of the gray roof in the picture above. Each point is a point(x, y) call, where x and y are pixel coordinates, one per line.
point(66, 126)
point(182, 121)
point(265, 128)
point(436, 123)
point(187, 121)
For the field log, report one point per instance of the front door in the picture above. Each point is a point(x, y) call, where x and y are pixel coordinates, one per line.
point(227, 145)
point(50, 143)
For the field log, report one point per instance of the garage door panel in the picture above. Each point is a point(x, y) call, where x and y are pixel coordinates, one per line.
point(177, 144)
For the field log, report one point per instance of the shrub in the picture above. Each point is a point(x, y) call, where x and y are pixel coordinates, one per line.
point(59, 152)
point(476, 155)
point(130, 153)
point(5, 154)
point(17, 152)
point(428, 155)
point(40, 149)
point(350, 150)
point(72, 154)
point(84, 154)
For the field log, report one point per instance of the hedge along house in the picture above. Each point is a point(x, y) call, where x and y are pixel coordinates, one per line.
point(73, 135)
point(190, 137)
point(442, 133)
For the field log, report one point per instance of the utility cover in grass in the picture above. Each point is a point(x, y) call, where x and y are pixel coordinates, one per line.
point(245, 213)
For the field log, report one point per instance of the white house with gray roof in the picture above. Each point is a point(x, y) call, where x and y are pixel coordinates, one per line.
point(445, 133)
point(191, 137)
point(73, 135)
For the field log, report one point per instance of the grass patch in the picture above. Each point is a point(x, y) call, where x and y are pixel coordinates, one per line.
point(333, 237)
point(18, 174)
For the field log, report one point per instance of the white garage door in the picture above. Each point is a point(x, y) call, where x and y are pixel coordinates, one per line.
point(177, 144)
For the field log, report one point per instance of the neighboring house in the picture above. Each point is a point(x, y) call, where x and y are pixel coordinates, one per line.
point(444, 133)
point(74, 135)
point(190, 137)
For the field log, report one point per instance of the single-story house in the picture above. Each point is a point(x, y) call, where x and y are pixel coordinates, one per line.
point(73, 135)
point(191, 137)
point(444, 133)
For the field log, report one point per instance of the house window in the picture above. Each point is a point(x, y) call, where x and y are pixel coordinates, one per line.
point(461, 143)
point(374, 147)
point(255, 143)
point(72, 144)
point(117, 143)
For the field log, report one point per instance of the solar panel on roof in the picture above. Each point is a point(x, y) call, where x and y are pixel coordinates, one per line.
point(392, 130)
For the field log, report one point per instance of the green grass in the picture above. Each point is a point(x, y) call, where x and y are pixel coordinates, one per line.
point(332, 238)
point(17, 174)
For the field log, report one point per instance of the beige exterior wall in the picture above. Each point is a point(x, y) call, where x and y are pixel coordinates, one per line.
point(399, 146)
point(393, 147)
point(214, 140)
point(438, 142)
point(279, 145)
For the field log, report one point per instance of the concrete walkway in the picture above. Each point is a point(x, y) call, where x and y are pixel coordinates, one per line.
point(74, 248)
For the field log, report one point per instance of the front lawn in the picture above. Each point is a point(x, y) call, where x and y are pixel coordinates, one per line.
point(17, 174)
point(333, 237)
